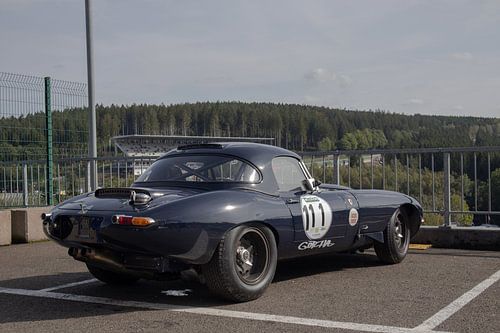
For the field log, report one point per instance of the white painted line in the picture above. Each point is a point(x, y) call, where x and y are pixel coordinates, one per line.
point(214, 312)
point(458, 304)
point(67, 285)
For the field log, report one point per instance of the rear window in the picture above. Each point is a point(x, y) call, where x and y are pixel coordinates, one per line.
point(200, 168)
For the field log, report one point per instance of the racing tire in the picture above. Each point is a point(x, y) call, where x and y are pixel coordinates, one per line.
point(111, 277)
point(396, 239)
point(243, 264)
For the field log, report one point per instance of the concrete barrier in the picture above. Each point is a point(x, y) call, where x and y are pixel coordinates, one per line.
point(474, 238)
point(5, 227)
point(27, 225)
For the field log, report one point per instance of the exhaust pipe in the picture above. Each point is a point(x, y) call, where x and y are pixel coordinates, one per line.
point(105, 260)
point(91, 256)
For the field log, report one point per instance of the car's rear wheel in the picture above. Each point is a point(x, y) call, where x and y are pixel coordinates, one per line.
point(110, 277)
point(396, 239)
point(244, 263)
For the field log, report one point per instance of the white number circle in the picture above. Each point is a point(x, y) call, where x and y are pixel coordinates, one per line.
point(316, 216)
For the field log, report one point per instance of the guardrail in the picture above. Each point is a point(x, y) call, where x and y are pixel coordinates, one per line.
point(24, 184)
point(447, 181)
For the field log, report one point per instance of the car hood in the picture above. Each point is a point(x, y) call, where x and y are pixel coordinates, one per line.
point(119, 199)
point(382, 198)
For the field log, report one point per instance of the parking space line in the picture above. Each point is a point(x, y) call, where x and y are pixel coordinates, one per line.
point(67, 285)
point(458, 304)
point(214, 312)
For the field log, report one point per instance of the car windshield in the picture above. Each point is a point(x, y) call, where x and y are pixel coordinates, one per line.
point(200, 168)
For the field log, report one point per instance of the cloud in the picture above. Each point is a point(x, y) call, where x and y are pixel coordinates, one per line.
point(345, 81)
point(461, 56)
point(458, 108)
point(321, 75)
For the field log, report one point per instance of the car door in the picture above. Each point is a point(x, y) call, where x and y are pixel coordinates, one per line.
point(320, 218)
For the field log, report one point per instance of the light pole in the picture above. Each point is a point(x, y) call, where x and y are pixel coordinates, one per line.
point(92, 166)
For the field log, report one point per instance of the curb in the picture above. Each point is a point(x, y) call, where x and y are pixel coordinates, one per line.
point(470, 238)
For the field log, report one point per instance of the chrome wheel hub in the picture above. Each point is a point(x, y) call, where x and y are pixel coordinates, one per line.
point(244, 255)
point(252, 256)
point(399, 232)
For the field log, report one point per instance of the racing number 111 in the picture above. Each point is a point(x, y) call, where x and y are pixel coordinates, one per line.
point(313, 210)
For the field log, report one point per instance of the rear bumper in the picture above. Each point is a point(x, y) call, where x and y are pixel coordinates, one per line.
point(187, 243)
point(119, 259)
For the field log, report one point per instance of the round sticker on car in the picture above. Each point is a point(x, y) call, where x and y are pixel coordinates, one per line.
point(316, 216)
point(353, 216)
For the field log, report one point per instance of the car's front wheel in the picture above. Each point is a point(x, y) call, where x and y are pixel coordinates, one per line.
point(110, 277)
point(244, 263)
point(396, 239)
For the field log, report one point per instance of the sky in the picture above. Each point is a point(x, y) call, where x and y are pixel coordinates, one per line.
point(427, 57)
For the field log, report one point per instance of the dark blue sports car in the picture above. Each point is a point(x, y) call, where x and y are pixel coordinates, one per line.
point(227, 212)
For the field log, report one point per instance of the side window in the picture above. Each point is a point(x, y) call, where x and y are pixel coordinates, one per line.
point(288, 174)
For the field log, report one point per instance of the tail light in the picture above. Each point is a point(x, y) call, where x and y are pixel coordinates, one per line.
point(132, 220)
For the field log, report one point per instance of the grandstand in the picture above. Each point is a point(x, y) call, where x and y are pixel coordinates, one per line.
point(149, 146)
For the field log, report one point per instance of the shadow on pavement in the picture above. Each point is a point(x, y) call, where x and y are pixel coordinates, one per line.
point(295, 268)
point(27, 308)
point(45, 281)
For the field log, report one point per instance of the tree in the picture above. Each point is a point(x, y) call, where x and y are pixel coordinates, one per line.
point(325, 144)
point(349, 142)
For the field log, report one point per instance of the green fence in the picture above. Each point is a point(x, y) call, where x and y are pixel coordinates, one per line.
point(33, 126)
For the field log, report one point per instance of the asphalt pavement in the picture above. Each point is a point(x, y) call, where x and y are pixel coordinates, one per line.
point(43, 289)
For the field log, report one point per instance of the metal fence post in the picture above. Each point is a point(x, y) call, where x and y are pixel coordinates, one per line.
point(324, 169)
point(336, 168)
point(49, 190)
point(446, 190)
point(88, 188)
point(25, 185)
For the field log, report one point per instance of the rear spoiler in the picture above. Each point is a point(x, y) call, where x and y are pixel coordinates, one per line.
point(137, 196)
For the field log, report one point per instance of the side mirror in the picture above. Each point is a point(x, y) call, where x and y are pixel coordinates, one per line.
point(309, 184)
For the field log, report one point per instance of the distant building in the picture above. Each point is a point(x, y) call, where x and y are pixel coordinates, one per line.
point(145, 148)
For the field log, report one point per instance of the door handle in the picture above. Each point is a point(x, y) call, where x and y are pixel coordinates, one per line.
point(292, 201)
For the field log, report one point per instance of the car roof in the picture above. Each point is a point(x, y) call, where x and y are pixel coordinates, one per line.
point(260, 155)
point(256, 153)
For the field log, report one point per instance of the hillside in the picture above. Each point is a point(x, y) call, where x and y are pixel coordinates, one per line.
point(297, 127)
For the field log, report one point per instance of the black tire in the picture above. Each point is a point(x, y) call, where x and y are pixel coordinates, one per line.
point(396, 239)
point(230, 276)
point(111, 277)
